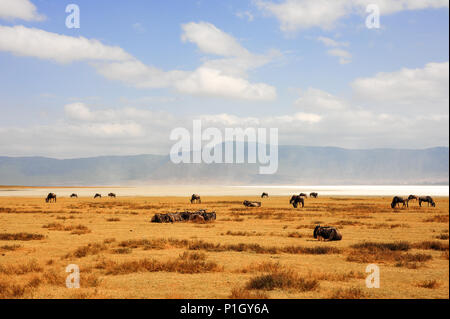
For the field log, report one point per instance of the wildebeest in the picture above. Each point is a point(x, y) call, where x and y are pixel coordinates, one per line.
point(397, 200)
point(251, 204)
point(198, 216)
point(195, 199)
point(74, 195)
point(296, 199)
point(428, 200)
point(326, 233)
point(302, 195)
point(264, 195)
point(50, 197)
point(412, 197)
point(313, 194)
point(112, 195)
point(97, 195)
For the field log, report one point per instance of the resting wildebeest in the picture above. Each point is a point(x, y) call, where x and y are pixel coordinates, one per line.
point(97, 195)
point(50, 197)
point(428, 200)
point(195, 198)
point(303, 195)
point(251, 204)
point(412, 197)
point(313, 194)
point(74, 195)
point(198, 216)
point(112, 195)
point(264, 195)
point(397, 200)
point(296, 199)
point(327, 233)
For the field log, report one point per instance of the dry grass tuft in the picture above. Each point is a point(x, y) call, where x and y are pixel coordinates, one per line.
point(21, 236)
point(242, 293)
point(282, 280)
point(348, 293)
point(429, 284)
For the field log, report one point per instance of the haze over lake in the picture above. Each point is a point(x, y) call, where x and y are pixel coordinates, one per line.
point(273, 190)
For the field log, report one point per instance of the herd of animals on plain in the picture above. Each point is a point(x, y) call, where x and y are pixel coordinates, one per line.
point(325, 233)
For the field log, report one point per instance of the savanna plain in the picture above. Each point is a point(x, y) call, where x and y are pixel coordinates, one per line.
point(247, 252)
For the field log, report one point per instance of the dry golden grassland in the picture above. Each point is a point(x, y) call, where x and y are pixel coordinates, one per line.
point(266, 252)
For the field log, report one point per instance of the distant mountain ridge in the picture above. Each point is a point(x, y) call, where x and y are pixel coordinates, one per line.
point(300, 165)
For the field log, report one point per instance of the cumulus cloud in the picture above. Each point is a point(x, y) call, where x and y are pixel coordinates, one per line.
point(416, 90)
point(296, 15)
point(41, 44)
point(223, 77)
point(317, 100)
point(19, 9)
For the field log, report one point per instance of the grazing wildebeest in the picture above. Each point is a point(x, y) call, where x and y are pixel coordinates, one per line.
point(112, 195)
point(303, 195)
point(313, 194)
point(397, 200)
point(195, 198)
point(74, 195)
point(251, 204)
point(296, 199)
point(50, 197)
point(97, 195)
point(327, 233)
point(413, 197)
point(264, 195)
point(428, 200)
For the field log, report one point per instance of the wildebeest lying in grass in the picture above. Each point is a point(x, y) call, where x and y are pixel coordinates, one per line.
point(112, 195)
point(397, 200)
point(412, 197)
point(195, 199)
point(303, 195)
point(313, 195)
point(264, 195)
point(74, 195)
point(297, 199)
point(428, 200)
point(50, 197)
point(326, 233)
point(251, 204)
point(200, 215)
point(97, 195)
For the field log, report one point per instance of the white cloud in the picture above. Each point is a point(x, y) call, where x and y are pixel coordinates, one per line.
point(343, 55)
point(207, 81)
point(41, 44)
point(317, 100)
point(421, 88)
point(296, 15)
point(212, 40)
point(78, 111)
point(19, 9)
point(245, 15)
point(331, 42)
point(223, 77)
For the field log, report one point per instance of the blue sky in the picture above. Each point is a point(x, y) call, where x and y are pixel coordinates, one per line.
point(323, 79)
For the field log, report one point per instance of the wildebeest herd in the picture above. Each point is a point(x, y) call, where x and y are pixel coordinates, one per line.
point(397, 200)
point(327, 233)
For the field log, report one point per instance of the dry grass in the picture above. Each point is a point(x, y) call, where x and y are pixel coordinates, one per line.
point(246, 253)
point(21, 236)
